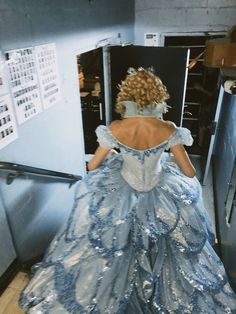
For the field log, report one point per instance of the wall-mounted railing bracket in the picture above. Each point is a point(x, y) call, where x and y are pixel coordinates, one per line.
point(11, 176)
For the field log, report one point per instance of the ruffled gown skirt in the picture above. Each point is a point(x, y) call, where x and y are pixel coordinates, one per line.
point(124, 251)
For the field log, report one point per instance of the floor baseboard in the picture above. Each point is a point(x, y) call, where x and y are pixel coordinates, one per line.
point(9, 274)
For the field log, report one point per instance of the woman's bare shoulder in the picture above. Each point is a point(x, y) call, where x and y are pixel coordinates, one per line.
point(169, 126)
point(115, 124)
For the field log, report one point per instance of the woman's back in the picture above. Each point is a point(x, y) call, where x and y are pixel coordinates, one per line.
point(142, 133)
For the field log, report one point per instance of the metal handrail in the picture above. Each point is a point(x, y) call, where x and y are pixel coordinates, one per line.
point(23, 169)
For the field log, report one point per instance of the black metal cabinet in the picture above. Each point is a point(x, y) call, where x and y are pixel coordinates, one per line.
point(224, 181)
point(90, 68)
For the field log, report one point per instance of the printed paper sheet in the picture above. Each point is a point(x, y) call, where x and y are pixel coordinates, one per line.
point(8, 130)
point(46, 60)
point(24, 83)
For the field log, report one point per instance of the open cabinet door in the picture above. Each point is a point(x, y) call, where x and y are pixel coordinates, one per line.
point(91, 78)
point(170, 64)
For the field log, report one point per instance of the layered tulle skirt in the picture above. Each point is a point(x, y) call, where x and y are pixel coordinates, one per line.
point(124, 251)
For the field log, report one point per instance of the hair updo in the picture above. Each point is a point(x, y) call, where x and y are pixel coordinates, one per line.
point(141, 86)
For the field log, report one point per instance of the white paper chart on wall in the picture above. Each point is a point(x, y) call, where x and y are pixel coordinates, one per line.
point(3, 78)
point(8, 131)
point(46, 60)
point(24, 83)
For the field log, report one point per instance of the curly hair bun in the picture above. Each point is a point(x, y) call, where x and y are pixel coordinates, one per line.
point(141, 86)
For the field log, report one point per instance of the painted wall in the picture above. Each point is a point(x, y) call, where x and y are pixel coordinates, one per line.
point(53, 139)
point(175, 16)
point(7, 250)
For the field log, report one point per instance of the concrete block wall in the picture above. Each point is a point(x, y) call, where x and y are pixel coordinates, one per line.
point(180, 16)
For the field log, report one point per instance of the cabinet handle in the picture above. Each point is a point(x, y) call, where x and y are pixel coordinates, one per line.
point(100, 111)
point(188, 113)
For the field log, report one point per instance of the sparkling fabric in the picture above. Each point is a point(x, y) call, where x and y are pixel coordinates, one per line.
point(132, 250)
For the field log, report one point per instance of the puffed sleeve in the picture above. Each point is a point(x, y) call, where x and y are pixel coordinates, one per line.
point(104, 137)
point(180, 136)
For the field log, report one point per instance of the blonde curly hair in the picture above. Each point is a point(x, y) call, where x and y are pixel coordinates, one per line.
point(141, 86)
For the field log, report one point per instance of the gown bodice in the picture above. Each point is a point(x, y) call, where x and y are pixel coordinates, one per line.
point(141, 169)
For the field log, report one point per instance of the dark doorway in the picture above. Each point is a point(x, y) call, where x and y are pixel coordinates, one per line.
point(201, 92)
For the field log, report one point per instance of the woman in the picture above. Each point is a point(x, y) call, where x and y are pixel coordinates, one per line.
point(138, 240)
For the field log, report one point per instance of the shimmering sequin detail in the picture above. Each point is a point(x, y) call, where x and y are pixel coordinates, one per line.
point(133, 245)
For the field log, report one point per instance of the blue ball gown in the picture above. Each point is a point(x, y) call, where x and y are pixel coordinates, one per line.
point(138, 241)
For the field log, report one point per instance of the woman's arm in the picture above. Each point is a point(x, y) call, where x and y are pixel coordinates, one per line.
point(183, 161)
point(98, 157)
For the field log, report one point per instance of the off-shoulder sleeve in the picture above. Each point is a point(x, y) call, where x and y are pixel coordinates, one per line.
point(180, 136)
point(104, 137)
